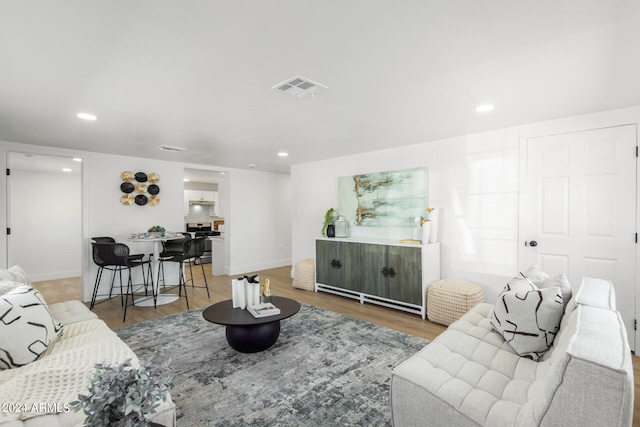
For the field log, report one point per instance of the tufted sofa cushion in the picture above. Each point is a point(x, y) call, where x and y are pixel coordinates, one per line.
point(470, 376)
point(474, 369)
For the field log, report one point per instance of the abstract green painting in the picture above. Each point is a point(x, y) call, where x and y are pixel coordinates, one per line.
point(384, 199)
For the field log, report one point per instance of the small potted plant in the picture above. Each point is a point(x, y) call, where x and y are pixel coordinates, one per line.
point(123, 395)
point(157, 231)
point(327, 227)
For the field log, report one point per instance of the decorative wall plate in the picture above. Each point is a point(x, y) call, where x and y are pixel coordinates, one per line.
point(141, 200)
point(141, 188)
point(141, 177)
point(127, 176)
point(127, 200)
point(126, 187)
point(154, 201)
point(154, 189)
point(154, 178)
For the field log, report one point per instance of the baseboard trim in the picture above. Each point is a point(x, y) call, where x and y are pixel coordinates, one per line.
point(54, 276)
point(242, 269)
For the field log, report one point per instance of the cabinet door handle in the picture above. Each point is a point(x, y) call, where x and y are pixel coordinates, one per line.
point(385, 272)
point(392, 272)
point(336, 263)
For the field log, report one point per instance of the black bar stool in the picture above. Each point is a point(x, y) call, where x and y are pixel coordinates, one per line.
point(195, 253)
point(115, 257)
point(175, 251)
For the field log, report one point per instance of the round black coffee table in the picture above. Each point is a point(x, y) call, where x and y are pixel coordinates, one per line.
point(246, 333)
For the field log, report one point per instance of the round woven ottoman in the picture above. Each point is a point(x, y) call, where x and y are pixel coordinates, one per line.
point(305, 275)
point(448, 300)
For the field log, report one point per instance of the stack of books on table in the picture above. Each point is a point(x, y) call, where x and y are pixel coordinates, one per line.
point(263, 310)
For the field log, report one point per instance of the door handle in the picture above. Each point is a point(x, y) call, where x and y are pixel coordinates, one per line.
point(532, 243)
point(385, 272)
point(392, 272)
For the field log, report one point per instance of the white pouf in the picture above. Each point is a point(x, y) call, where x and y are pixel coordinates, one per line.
point(448, 300)
point(304, 276)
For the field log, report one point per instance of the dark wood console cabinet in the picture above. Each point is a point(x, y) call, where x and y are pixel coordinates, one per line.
point(380, 272)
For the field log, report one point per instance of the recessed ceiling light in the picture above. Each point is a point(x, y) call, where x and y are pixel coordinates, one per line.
point(186, 180)
point(77, 159)
point(252, 166)
point(221, 173)
point(283, 154)
point(170, 148)
point(86, 116)
point(66, 170)
point(484, 108)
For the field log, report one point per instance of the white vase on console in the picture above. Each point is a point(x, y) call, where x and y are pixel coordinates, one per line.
point(426, 231)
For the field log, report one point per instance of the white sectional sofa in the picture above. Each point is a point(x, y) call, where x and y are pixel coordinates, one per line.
point(38, 393)
point(470, 376)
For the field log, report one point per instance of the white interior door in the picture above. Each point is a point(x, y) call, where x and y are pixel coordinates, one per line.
point(581, 209)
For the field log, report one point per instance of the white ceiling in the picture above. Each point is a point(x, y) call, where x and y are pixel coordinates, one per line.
point(199, 74)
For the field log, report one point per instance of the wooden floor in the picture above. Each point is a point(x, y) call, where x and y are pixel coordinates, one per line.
point(280, 278)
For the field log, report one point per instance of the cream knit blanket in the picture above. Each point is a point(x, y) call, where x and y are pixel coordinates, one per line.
point(51, 382)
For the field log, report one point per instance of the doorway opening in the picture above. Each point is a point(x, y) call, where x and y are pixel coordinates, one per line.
point(44, 215)
point(205, 205)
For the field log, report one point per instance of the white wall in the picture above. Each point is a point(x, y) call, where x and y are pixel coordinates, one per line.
point(474, 179)
point(45, 224)
point(257, 222)
point(107, 216)
point(259, 219)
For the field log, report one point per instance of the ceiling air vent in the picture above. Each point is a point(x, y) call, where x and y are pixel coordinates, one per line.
point(300, 87)
point(170, 148)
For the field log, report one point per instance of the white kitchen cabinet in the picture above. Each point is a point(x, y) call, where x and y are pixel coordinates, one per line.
point(207, 196)
point(216, 211)
point(202, 196)
point(186, 202)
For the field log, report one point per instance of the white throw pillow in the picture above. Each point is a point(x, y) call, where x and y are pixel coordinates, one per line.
point(7, 286)
point(542, 280)
point(535, 273)
point(15, 274)
point(528, 318)
point(560, 281)
point(27, 327)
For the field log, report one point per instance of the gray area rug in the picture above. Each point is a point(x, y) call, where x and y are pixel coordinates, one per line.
point(326, 369)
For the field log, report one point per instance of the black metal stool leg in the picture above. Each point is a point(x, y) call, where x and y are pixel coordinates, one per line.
point(96, 286)
point(129, 288)
point(206, 285)
point(183, 284)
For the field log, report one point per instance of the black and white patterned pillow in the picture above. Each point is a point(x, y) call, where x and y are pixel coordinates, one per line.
point(27, 327)
point(528, 318)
